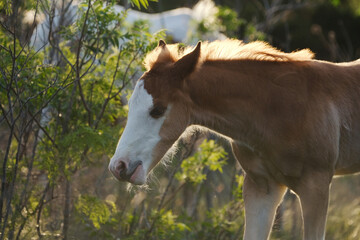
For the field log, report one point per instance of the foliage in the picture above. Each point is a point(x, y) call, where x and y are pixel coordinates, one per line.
point(229, 20)
point(345, 222)
point(94, 210)
point(225, 222)
point(167, 226)
point(210, 156)
point(6, 5)
point(144, 3)
point(59, 108)
point(237, 192)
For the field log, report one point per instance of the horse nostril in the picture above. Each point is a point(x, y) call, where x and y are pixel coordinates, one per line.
point(121, 167)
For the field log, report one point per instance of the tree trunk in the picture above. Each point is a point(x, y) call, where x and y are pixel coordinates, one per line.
point(67, 209)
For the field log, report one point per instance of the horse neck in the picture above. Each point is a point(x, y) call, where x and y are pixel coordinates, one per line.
point(225, 98)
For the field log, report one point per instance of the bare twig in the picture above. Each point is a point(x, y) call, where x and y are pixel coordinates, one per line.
point(38, 210)
point(3, 178)
point(40, 207)
point(24, 195)
point(66, 208)
point(12, 184)
point(78, 67)
point(99, 117)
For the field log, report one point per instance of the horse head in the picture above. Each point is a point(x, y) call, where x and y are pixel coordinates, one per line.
point(158, 114)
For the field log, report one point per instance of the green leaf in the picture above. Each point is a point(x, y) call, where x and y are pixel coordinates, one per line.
point(93, 209)
point(136, 3)
point(210, 155)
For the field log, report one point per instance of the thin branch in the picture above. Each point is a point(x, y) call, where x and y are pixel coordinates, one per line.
point(124, 83)
point(40, 207)
point(97, 47)
point(109, 93)
point(4, 73)
point(24, 103)
point(67, 208)
point(5, 28)
point(38, 210)
point(52, 44)
point(3, 178)
point(9, 123)
point(77, 64)
point(23, 198)
point(52, 97)
point(28, 175)
point(12, 184)
point(2, 47)
point(42, 129)
point(28, 41)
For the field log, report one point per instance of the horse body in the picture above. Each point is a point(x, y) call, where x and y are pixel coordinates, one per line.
point(293, 122)
point(285, 109)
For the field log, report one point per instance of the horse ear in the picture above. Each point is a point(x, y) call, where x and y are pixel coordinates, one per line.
point(162, 43)
point(187, 63)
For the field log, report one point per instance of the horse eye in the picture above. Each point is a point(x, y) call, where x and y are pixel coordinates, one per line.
point(157, 111)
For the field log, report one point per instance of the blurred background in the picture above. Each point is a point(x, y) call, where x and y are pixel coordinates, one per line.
point(67, 70)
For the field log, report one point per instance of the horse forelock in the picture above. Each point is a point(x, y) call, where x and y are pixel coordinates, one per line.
point(161, 55)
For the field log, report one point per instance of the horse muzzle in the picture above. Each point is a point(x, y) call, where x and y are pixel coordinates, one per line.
point(125, 170)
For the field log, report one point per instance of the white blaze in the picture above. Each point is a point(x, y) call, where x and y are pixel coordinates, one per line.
point(141, 133)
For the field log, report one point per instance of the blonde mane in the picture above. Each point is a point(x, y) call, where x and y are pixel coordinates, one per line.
point(229, 49)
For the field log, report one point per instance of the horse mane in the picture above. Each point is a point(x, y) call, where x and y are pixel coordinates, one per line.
point(229, 49)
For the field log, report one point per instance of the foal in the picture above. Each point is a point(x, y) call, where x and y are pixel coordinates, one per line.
point(293, 122)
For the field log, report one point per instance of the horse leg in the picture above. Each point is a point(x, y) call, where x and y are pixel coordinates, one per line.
point(262, 195)
point(314, 196)
point(260, 207)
